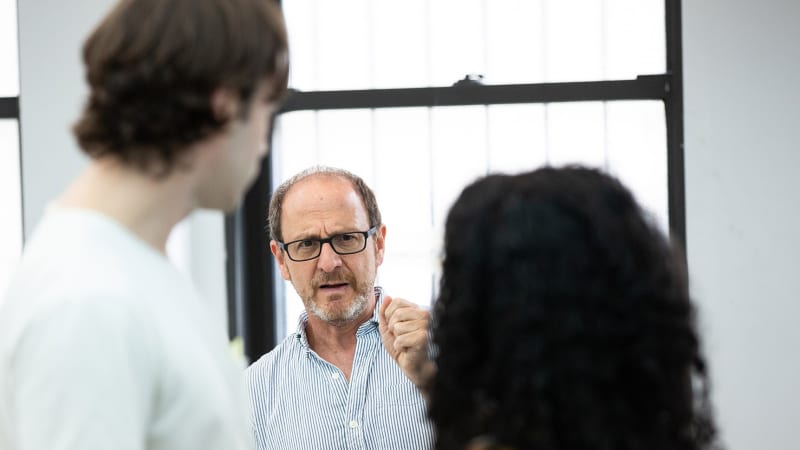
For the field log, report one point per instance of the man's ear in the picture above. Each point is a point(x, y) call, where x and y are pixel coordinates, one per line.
point(280, 260)
point(380, 244)
point(224, 104)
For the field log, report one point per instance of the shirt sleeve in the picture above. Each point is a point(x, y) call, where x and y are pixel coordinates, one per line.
point(83, 378)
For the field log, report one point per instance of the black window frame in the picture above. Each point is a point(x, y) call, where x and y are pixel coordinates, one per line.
point(9, 107)
point(252, 309)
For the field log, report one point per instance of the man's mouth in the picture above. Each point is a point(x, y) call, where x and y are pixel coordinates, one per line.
point(333, 285)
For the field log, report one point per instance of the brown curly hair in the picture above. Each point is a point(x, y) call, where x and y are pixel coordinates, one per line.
point(152, 66)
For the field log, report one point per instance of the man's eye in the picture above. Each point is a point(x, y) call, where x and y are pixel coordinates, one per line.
point(305, 244)
point(346, 237)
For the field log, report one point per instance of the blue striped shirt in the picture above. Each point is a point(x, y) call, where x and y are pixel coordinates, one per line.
point(301, 401)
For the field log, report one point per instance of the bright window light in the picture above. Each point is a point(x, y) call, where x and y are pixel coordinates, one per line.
point(9, 58)
point(10, 201)
point(419, 159)
point(360, 44)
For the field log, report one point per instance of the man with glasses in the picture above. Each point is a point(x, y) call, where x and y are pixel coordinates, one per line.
point(350, 376)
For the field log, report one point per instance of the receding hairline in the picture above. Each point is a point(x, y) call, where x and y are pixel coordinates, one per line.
point(277, 203)
point(317, 176)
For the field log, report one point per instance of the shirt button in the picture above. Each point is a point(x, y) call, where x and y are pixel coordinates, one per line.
point(335, 376)
point(353, 424)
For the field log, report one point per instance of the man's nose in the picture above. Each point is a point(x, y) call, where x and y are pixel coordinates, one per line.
point(329, 260)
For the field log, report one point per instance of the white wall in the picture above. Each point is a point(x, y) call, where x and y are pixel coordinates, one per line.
point(52, 92)
point(51, 95)
point(742, 119)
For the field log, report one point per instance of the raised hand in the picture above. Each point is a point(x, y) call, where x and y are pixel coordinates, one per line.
point(404, 329)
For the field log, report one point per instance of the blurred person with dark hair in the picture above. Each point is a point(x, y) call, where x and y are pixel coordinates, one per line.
point(335, 383)
point(103, 343)
point(564, 322)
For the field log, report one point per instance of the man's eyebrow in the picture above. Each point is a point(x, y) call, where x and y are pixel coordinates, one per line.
point(347, 230)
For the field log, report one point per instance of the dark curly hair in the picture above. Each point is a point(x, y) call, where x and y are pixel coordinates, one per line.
point(152, 66)
point(564, 321)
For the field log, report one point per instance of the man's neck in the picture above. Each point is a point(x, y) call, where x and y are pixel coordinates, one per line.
point(148, 207)
point(336, 336)
point(336, 343)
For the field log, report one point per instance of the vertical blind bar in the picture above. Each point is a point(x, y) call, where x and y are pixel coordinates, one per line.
point(674, 113)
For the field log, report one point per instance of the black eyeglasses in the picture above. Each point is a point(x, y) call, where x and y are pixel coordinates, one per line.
point(343, 244)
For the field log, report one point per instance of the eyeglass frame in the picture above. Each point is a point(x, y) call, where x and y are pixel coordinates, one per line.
point(329, 240)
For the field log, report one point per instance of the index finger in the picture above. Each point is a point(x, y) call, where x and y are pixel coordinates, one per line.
point(382, 315)
point(404, 310)
point(395, 304)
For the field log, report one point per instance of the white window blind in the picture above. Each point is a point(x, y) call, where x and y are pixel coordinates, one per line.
point(9, 59)
point(418, 159)
point(10, 182)
point(10, 201)
point(361, 44)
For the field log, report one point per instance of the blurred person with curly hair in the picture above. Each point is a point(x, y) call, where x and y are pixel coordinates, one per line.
point(564, 322)
point(104, 344)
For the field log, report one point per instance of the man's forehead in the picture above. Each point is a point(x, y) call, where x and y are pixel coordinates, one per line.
point(320, 193)
point(315, 208)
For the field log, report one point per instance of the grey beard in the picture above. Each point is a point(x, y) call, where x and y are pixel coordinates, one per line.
point(355, 308)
